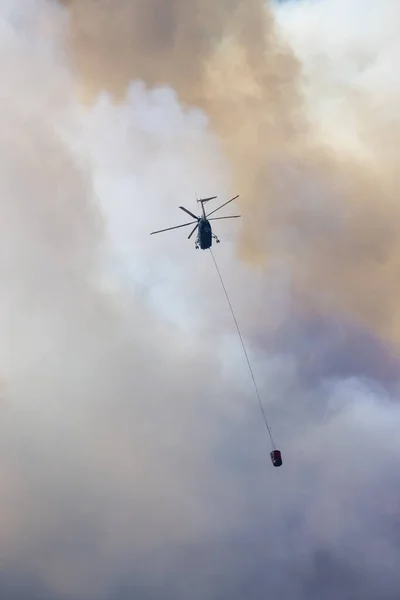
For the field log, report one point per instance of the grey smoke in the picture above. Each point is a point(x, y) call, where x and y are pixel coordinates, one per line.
point(133, 459)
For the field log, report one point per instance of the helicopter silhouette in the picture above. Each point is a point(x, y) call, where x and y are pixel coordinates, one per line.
point(205, 234)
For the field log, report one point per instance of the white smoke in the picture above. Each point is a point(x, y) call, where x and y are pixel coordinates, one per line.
point(130, 433)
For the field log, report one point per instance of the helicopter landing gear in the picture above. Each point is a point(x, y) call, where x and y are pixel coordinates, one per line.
point(196, 246)
point(216, 239)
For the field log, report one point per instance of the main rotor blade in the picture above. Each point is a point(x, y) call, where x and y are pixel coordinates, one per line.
point(225, 203)
point(190, 235)
point(189, 213)
point(218, 218)
point(207, 199)
point(176, 227)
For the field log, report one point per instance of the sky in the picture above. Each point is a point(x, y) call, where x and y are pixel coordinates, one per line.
point(133, 456)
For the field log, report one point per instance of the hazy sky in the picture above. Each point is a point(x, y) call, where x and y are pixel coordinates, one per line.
point(134, 462)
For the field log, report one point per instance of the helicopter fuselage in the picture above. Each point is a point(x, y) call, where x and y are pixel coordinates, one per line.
point(204, 235)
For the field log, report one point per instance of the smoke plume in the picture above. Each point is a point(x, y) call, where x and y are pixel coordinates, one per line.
point(134, 460)
point(309, 130)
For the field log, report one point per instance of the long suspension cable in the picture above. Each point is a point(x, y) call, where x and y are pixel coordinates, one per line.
point(245, 352)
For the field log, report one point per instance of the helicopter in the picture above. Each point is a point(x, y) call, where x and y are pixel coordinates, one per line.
point(205, 234)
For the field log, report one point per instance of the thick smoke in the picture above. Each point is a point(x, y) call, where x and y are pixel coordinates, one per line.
point(222, 56)
point(306, 112)
point(133, 459)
